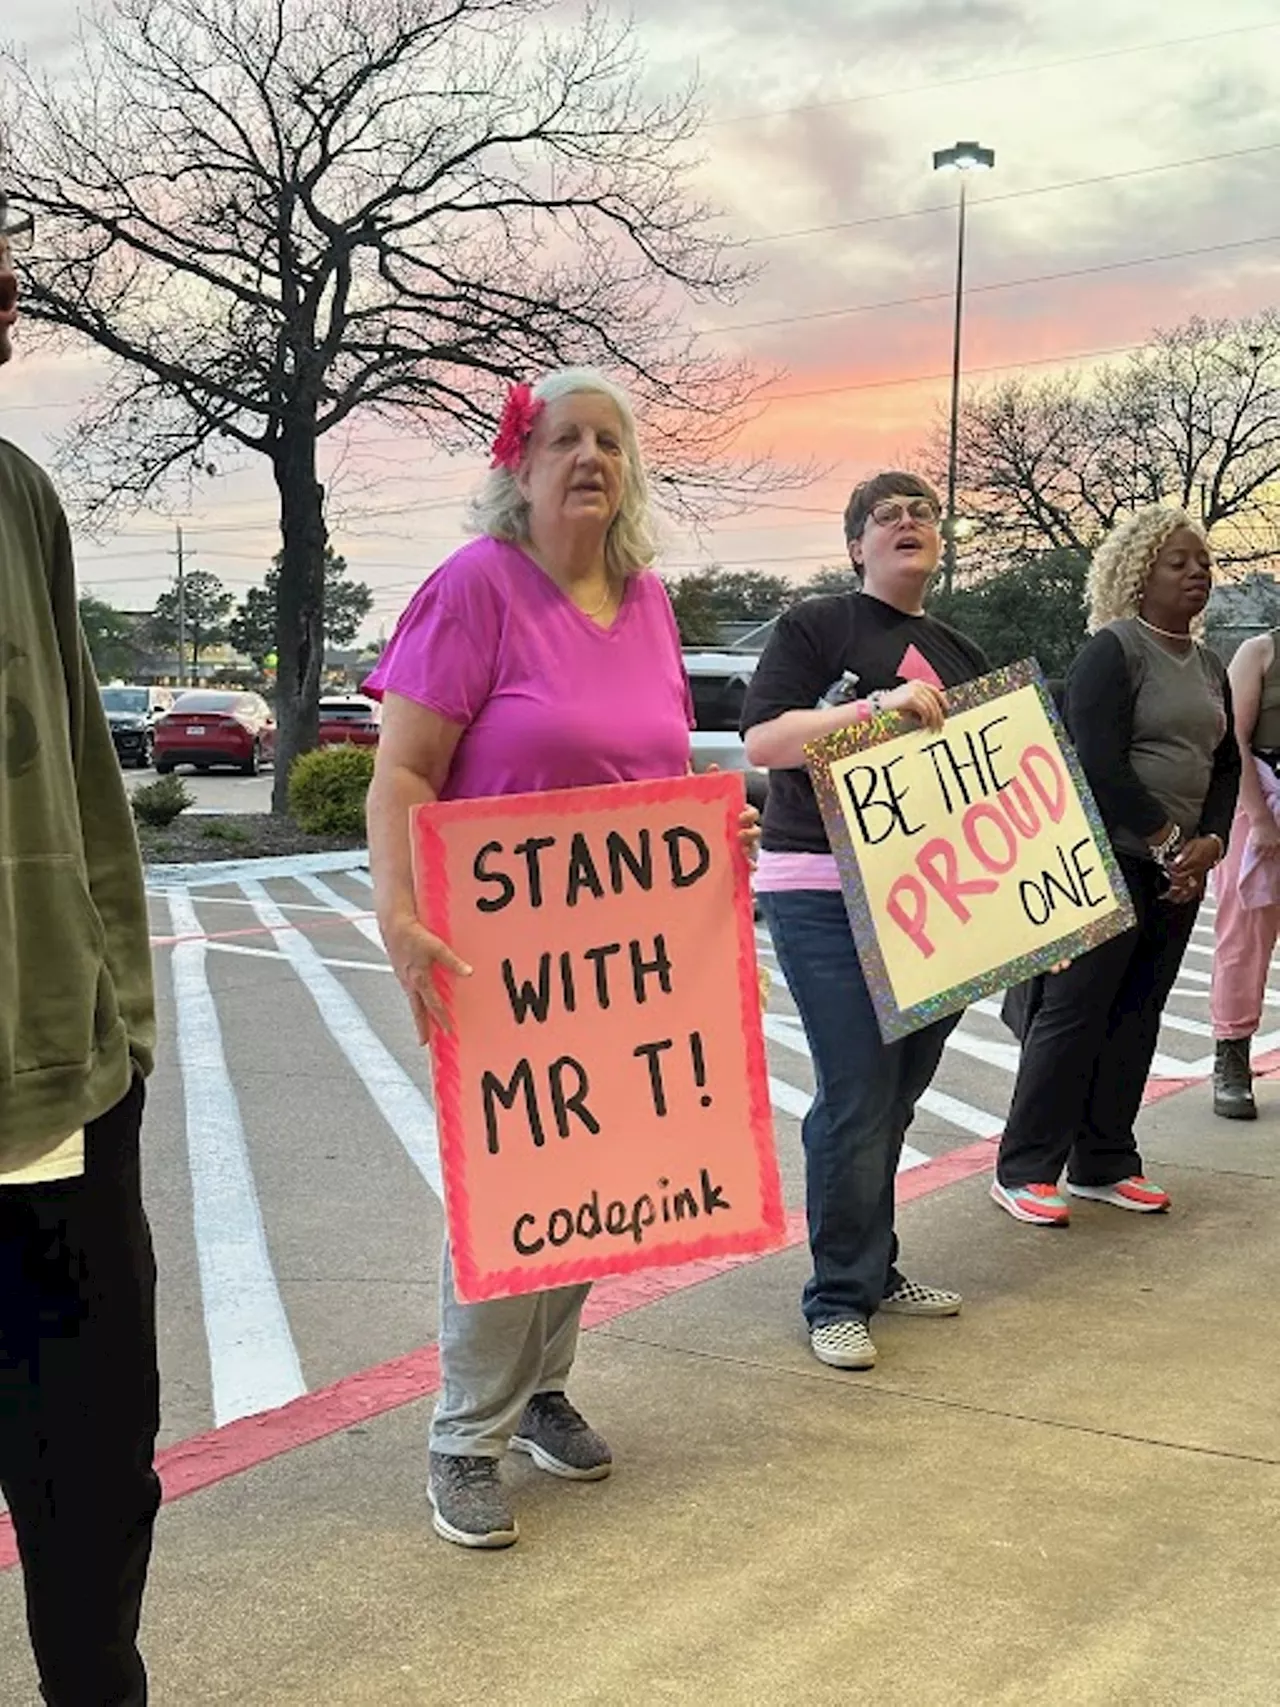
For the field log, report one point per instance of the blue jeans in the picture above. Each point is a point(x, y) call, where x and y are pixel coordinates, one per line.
point(867, 1092)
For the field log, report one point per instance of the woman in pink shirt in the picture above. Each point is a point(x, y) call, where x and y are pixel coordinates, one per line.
point(543, 655)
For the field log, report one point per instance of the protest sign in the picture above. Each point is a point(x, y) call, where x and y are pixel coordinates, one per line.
point(970, 858)
point(602, 1093)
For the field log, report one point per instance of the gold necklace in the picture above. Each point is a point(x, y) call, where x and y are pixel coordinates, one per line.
point(600, 608)
point(1169, 633)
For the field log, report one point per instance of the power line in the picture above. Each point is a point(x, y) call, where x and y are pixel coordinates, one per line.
point(897, 94)
point(1011, 195)
point(933, 378)
point(1002, 284)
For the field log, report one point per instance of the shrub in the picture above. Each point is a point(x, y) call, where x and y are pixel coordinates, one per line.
point(222, 830)
point(161, 801)
point(327, 790)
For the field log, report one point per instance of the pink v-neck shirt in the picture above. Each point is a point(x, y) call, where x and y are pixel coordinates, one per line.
point(545, 697)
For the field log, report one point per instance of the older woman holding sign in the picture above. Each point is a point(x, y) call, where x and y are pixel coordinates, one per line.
point(832, 662)
point(544, 655)
point(1149, 711)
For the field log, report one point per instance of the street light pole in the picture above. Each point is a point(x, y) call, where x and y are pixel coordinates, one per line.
point(964, 158)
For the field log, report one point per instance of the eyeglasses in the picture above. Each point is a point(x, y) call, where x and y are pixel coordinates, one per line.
point(890, 511)
point(17, 228)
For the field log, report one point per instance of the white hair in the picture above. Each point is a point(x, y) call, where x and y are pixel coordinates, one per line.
point(501, 511)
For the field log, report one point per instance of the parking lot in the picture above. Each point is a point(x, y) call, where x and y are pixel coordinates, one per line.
point(216, 791)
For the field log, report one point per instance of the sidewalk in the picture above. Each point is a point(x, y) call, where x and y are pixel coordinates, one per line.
point(1069, 1495)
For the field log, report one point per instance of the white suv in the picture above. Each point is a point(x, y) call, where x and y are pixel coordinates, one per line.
point(719, 682)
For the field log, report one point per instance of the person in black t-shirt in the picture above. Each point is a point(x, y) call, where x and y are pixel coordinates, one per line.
point(831, 662)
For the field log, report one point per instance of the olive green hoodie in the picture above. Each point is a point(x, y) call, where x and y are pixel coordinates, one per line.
point(76, 1006)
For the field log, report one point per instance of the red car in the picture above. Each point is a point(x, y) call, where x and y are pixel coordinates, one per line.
point(349, 718)
point(208, 727)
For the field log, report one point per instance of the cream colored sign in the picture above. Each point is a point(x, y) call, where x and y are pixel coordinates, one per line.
point(972, 845)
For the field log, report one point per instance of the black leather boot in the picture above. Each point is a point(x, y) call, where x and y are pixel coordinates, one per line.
point(1233, 1080)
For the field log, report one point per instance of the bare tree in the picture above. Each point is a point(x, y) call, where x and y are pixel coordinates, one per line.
point(1191, 418)
point(273, 214)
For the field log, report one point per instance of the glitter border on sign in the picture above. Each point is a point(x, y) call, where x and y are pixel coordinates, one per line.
point(894, 1021)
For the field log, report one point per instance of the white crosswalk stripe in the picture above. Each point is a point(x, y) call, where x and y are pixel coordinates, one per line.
point(252, 1358)
point(401, 1104)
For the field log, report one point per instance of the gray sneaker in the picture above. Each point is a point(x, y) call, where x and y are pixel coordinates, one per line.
point(469, 1503)
point(560, 1440)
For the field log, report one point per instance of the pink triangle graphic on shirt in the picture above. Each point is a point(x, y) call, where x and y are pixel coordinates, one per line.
point(915, 667)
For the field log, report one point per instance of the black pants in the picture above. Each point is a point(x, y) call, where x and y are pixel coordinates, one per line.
point(1088, 1048)
point(79, 1410)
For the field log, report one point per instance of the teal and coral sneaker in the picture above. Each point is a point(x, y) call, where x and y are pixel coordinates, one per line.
point(1038, 1205)
point(1132, 1193)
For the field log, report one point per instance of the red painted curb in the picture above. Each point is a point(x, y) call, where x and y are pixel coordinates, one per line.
point(206, 1459)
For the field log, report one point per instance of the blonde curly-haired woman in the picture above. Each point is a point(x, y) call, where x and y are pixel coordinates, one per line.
point(1149, 711)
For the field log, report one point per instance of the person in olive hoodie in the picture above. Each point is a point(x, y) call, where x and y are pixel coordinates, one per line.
point(79, 1390)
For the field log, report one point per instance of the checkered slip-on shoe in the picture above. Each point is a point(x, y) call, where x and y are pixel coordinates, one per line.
point(912, 1298)
point(843, 1345)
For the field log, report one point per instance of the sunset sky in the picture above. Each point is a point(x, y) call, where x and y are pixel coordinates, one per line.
point(1138, 133)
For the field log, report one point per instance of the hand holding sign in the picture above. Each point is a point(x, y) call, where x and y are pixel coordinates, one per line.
point(418, 959)
point(921, 700)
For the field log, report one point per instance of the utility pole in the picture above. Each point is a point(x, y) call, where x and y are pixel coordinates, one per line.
point(964, 157)
point(181, 556)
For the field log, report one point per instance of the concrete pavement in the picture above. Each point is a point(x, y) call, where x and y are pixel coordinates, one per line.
point(1069, 1495)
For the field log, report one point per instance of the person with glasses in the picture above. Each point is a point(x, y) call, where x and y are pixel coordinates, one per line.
point(831, 662)
point(79, 1389)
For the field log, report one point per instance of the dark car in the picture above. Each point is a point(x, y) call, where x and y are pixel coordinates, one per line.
point(133, 713)
point(208, 727)
point(349, 719)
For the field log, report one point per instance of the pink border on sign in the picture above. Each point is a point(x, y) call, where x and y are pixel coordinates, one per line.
point(431, 878)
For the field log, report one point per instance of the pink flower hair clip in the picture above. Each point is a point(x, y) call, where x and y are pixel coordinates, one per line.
point(519, 413)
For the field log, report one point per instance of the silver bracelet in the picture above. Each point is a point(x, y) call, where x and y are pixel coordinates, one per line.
point(1165, 850)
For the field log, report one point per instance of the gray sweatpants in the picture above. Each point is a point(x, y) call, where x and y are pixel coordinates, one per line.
point(494, 1357)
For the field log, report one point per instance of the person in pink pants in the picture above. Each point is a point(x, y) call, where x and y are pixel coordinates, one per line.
point(1247, 884)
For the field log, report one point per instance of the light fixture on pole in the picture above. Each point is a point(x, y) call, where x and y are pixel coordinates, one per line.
point(964, 158)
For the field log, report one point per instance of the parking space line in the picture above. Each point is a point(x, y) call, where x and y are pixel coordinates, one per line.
point(243, 901)
point(790, 1099)
point(962, 1115)
point(279, 954)
point(253, 1361)
point(399, 1101)
point(361, 918)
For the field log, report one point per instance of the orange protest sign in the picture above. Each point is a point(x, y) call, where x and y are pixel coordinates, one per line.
point(602, 1094)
